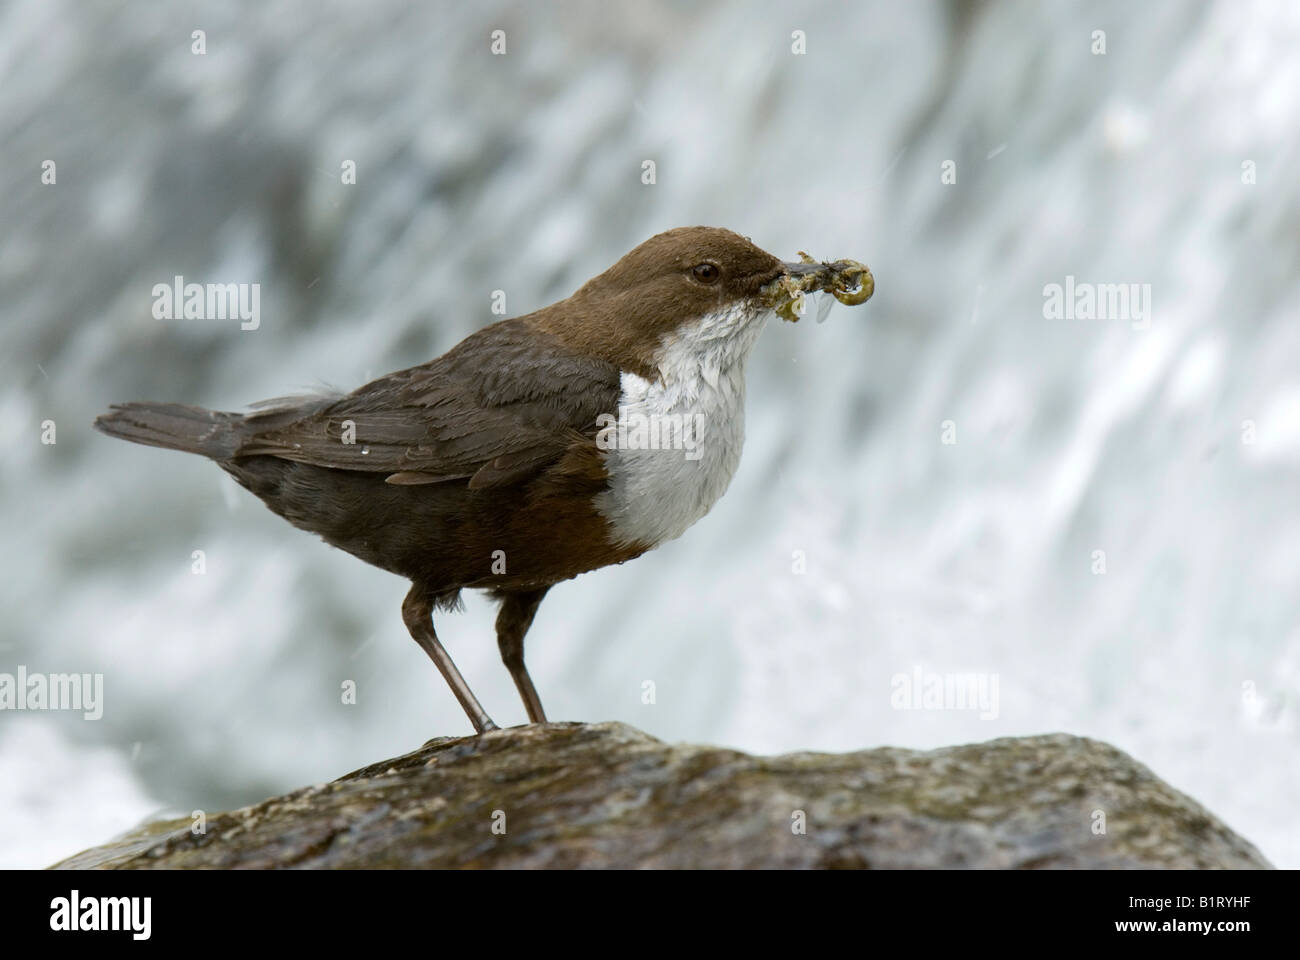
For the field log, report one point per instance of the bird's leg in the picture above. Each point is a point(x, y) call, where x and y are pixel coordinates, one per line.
point(417, 612)
point(516, 616)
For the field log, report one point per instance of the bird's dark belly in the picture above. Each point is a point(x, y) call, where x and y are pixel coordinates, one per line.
point(443, 535)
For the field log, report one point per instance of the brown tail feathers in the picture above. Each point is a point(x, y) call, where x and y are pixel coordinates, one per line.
point(174, 426)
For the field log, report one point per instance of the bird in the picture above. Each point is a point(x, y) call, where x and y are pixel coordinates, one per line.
point(536, 449)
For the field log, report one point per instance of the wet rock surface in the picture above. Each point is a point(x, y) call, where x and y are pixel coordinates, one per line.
point(569, 795)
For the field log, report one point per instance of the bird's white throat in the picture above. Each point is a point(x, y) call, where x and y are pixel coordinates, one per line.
point(676, 441)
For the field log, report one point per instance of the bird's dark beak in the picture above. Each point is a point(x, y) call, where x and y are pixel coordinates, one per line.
point(847, 281)
point(811, 268)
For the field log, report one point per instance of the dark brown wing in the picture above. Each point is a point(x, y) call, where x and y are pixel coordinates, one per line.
point(495, 409)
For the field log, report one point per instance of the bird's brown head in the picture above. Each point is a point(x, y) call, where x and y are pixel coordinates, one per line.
point(672, 282)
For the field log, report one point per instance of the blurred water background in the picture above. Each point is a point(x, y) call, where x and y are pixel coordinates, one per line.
point(522, 173)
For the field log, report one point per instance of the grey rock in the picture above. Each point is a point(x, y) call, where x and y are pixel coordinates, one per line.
point(606, 795)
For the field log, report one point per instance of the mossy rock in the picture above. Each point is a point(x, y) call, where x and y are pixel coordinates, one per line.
point(606, 795)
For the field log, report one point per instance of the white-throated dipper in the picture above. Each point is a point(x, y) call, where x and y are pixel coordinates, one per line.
point(537, 448)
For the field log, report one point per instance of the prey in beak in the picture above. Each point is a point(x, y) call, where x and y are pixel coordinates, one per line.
point(847, 281)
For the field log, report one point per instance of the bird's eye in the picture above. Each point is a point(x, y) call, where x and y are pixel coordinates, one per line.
point(706, 272)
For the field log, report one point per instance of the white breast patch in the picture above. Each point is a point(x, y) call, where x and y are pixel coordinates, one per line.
point(682, 434)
